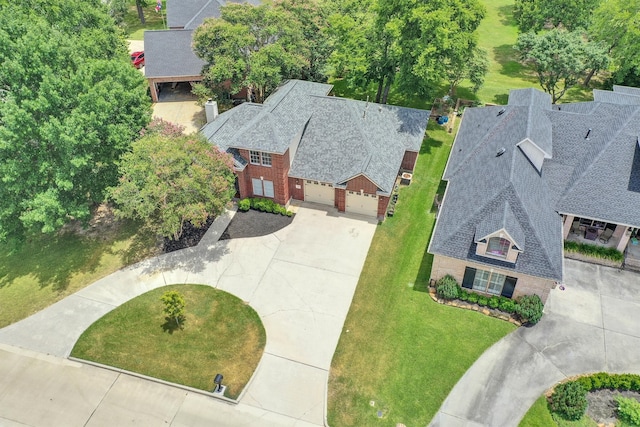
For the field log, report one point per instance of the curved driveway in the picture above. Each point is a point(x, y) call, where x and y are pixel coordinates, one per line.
point(590, 326)
point(300, 280)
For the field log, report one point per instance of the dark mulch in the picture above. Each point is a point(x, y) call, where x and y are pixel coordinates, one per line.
point(602, 406)
point(190, 237)
point(254, 223)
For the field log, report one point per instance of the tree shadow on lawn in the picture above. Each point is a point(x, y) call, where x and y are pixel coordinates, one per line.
point(170, 325)
point(506, 16)
point(429, 144)
point(507, 57)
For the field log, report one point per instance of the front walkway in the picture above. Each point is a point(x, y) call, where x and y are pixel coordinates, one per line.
point(591, 326)
point(300, 280)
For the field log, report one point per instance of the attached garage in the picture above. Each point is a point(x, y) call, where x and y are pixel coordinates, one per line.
point(319, 192)
point(362, 203)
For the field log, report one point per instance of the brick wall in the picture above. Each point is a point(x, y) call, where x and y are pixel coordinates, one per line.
point(361, 183)
point(340, 200)
point(526, 285)
point(383, 202)
point(277, 173)
point(409, 160)
point(296, 193)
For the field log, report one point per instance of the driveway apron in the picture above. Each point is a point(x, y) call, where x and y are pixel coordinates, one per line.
point(300, 280)
point(590, 326)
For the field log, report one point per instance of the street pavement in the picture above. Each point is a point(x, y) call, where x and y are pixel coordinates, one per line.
point(590, 326)
point(300, 280)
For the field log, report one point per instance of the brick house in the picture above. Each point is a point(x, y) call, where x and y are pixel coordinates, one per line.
point(303, 144)
point(524, 177)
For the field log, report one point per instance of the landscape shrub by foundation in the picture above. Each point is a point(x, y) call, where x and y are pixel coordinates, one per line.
point(529, 309)
point(594, 251)
point(569, 400)
point(447, 288)
point(263, 205)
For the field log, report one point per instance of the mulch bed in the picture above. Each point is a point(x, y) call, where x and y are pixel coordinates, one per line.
point(191, 236)
point(602, 406)
point(254, 223)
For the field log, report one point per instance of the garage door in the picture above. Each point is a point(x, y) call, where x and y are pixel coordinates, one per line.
point(363, 204)
point(319, 192)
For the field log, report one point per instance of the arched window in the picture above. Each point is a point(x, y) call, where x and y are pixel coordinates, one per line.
point(498, 246)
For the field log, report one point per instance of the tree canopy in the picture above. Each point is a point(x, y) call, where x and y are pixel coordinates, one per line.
point(256, 47)
point(169, 179)
point(559, 58)
point(70, 105)
point(536, 15)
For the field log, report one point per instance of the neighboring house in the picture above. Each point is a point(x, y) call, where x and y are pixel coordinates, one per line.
point(523, 177)
point(303, 144)
point(169, 56)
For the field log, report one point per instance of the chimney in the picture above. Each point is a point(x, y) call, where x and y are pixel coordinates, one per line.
point(211, 110)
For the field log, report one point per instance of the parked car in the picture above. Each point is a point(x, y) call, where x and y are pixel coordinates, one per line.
point(137, 59)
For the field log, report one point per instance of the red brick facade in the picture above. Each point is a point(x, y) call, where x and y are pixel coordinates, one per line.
point(383, 202)
point(409, 160)
point(278, 173)
point(296, 193)
point(340, 199)
point(361, 183)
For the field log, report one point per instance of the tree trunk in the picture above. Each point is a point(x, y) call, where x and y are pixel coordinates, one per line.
point(588, 78)
point(140, 12)
point(385, 94)
point(379, 93)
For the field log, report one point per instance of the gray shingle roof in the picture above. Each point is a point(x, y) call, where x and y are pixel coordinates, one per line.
point(182, 12)
point(341, 138)
point(501, 219)
point(168, 53)
point(596, 177)
point(626, 89)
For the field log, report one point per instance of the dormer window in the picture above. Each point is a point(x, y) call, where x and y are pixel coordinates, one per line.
point(498, 247)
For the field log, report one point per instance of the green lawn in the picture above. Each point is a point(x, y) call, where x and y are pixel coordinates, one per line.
point(47, 269)
point(399, 349)
point(221, 334)
point(134, 30)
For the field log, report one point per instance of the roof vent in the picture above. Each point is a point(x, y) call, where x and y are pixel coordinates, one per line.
point(588, 133)
point(501, 151)
point(502, 111)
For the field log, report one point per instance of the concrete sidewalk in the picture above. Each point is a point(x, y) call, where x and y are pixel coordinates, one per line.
point(591, 326)
point(300, 280)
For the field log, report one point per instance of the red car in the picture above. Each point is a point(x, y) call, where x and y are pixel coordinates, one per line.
point(137, 59)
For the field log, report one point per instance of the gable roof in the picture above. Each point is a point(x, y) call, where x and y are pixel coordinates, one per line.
point(339, 138)
point(593, 171)
point(189, 14)
point(168, 53)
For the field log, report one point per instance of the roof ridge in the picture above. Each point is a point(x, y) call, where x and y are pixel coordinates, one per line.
point(197, 13)
point(287, 89)
point(597, 157)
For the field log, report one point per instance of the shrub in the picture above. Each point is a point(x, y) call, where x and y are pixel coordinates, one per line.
point(594, 251)
point(447, 288)
point(611, 381)
point(244, 205)
point(569, 400)
point(507, 305)
point(464, 295)
point(494, 302)
point(529, 309)
point(483, 301)
point(473, 297)
point(628, 410)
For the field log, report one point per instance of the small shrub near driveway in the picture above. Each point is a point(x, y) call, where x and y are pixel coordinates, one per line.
point(447, 288)
point(263, 205)
point(569, 400)
point(529, 309)
point(628, 410)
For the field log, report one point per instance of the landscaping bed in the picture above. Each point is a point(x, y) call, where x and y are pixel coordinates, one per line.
point(254, 223)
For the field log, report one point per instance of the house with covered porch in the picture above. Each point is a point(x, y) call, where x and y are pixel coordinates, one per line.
point(524, 177)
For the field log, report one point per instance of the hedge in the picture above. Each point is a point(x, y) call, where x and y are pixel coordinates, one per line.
point(263, 205)
point(594, 251)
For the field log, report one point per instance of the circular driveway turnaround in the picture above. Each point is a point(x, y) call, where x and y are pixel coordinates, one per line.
point(591, 326)
point(300, 280)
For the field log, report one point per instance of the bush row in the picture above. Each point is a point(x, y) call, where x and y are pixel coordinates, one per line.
point(594, 251)
point(528, 308)
point(263, 205)
point(569, 400)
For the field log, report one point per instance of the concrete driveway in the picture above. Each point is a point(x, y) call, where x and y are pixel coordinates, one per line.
point(591, 326)
point(300, 280)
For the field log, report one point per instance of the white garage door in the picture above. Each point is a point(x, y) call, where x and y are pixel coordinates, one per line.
point(364, 204)
point(319, 192)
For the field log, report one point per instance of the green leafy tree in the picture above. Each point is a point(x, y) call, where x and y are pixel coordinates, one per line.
point(70, 105)
point(117, 10)
point(463, 67)
point(251, 46)
point(169, 179)
point(536, 15)
point(174, 306)
point(559, 58)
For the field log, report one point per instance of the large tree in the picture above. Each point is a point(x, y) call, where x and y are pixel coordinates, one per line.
point(253, 47)
point(559, 58)
point(535, 15)
point(170, 179)
point(70, 105)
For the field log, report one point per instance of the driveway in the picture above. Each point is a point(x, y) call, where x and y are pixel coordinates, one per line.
point(300, 280)
point(591, 326)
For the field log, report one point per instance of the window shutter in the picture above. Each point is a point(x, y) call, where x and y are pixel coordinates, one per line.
point(469, 276)
point(509, 287)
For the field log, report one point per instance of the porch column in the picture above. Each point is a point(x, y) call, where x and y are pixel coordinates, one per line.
point(624, 239)
point(153, 90)
point(566, 227)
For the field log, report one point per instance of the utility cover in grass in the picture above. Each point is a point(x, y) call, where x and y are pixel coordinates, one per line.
point(220, 334)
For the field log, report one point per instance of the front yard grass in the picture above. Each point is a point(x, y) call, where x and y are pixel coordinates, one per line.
point(134, 29)
point(221, 334)
point(50, 267)
point(401, 353)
